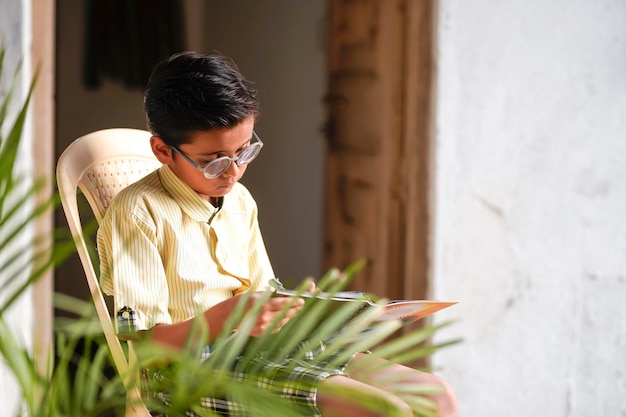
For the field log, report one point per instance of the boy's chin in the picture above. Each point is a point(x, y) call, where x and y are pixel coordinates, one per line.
point(222, 191)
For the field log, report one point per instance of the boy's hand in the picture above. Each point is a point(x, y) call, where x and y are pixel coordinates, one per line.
point(217, 315)
point(270, 309)
point(312, 287)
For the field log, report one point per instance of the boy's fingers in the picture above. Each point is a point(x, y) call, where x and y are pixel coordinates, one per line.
point(279, 302)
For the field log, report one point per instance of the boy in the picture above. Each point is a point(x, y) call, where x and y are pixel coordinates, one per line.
point(186, 238)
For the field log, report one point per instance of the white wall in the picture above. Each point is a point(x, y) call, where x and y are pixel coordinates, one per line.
point(15, 37)
point(530, 203)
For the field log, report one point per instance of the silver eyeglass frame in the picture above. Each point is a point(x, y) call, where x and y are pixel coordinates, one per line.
point(258, 143)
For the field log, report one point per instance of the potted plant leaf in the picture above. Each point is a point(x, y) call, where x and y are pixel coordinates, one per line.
point(80, 384)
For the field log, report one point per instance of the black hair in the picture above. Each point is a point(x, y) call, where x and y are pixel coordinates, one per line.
point(190, 92)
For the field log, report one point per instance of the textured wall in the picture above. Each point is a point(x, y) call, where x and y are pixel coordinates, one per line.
point(530, 203)
point(14, 29)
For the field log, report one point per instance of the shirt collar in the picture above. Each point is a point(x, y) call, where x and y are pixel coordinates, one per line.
point(189, 201)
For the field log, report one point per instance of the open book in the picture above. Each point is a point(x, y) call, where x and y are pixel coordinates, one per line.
point(405, 310)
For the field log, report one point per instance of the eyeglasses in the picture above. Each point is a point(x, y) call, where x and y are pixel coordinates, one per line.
point(220, 165)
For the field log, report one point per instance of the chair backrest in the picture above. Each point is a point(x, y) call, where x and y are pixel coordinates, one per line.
point(99, 165)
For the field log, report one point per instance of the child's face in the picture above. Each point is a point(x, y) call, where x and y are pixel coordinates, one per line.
point(204, 147)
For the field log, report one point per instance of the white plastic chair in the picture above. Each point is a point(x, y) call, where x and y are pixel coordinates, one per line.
point(99, 165)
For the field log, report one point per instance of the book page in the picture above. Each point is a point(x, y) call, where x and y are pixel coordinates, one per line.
point(405, 310)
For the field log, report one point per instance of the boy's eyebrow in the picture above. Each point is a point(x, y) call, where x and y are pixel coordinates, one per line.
point(223, 151)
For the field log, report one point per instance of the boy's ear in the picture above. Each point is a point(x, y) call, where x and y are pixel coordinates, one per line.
point(161, 150)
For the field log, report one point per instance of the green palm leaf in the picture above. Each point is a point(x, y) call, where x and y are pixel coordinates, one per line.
point(80, 384)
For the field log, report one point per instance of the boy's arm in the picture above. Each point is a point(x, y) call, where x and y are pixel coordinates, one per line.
point(131, 271)
point(176, 335)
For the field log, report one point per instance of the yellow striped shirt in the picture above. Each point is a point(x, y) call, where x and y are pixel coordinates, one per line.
point(162, 259)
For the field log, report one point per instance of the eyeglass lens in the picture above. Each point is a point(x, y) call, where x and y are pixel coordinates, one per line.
point(218, 166)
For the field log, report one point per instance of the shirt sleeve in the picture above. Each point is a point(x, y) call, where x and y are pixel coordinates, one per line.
point(131, 270)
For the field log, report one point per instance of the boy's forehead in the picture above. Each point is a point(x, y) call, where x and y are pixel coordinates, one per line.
point(241, 129)
point(222, 138)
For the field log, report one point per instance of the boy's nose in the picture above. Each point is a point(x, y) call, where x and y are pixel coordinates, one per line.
point(233, 170)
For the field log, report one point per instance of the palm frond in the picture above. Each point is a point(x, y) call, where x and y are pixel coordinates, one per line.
point(188, 381)
point(81, 382)
point(26, 255)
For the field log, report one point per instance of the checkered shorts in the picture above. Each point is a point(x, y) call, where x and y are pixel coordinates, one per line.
point(294, 380)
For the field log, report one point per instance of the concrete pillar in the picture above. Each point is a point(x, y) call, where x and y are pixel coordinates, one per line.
point(530, 196)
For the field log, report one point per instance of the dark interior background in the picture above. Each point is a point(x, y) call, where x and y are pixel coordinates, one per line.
point(277, 44)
